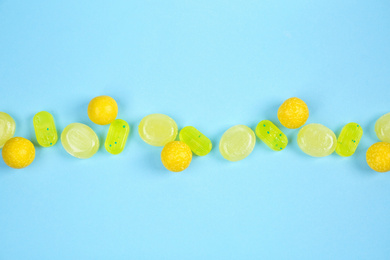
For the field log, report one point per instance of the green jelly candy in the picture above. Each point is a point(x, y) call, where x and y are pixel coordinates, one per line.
point(80, 140)
point(382, 128)
point(45, 129)
point(317, 140)
point(199, 144)
point(237, 143)
point(157, 129)
point(117, 136)
point(7, 128)
point(271, 135)
point(349, 139)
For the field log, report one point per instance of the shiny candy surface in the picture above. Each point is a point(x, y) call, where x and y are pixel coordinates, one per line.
point(378, 157)
point(18, 152)
point(80, 140)
point(45, 129)
point(117, 136)
point(293, 113)
point(102, 110)
point(271, 135)
point(199, 143)
point(157, 129)
point(382, 128)
point(317, 140)
point(176, 156)
point(7, 128)
point(237, 143)
point(349, 139)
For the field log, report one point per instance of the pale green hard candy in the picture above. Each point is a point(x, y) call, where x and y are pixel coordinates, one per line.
point(317, 140)
point(382, 128)
point(237, 143)
point(80, 140)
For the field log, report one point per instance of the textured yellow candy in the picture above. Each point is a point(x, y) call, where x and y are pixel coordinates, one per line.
point(237, 143)
point(117, 136)
point(271, 135)
point(7, 128)
point(157, 129)
point(18, 152)
point(382, 128)
point(316, 140)
point(176, 156)
point(102, 110)
point(199, 143)
point(80, 140)
point(349, 139)
point(293, 113)
point(378, 157)
point(45, 129)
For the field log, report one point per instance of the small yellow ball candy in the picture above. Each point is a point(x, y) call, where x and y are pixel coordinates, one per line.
point(18, 152)
point(176, 156)
point(378, 157)
point(102, 110)
point(293, 113)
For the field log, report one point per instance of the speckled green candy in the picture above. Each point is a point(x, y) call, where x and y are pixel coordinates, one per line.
point(199, 143)
point(117, 136)
point(271, 135)
point(349, 139)
point(45, 129)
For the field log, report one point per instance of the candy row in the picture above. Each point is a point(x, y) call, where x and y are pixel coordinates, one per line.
point(236, 143)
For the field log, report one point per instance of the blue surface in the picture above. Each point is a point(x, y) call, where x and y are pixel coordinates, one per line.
point(210, 64)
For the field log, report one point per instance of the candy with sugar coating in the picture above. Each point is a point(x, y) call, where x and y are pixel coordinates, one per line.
point(117, 136)
point(382, 128)
point(102, 110)
point(157, 129)
point(199, 143)
point(176, 156)
point(378, 157)
point(237, 143)
point(7, 128)
point(80, 140)
point(349, 139)
point(271, 135)
point(317, 140)
point(18, 152)
point(45, 129)
point(293, 113)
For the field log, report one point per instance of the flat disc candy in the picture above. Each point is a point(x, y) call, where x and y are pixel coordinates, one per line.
point(382, 128)
point(349, 139)
point(80, 140)
point(7, 128)
point(157, 129)
point(317, 140)
point(45, 129)
point(237, 143)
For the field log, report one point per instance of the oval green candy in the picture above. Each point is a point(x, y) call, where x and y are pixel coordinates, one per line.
point(117, 136)
point(199, 143)
point(271, 135)
point(349, 139)
point(45, 129)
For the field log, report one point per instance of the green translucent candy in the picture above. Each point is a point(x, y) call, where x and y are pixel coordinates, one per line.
point(349, 139)
point(382, 128)
point(7, 128)
point(199, 144)
point(317, 140)
point(271, 135)
point(45, 129)
point(157, 129)
point(80, 140)
point(237, 143)
point(117, 136)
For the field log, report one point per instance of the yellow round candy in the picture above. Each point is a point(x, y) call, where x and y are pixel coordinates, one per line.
point(176, 156)
point(18, 152)
point(293, 113)
point(378, 157)
point(102, 110)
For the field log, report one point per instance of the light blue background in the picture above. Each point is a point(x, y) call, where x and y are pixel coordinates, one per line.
point(210, 64)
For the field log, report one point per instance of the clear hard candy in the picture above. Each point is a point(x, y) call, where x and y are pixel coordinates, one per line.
point(237, 143)
point(7, 128)
point(317, 140)
point(382, 128)
point(80, 140)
